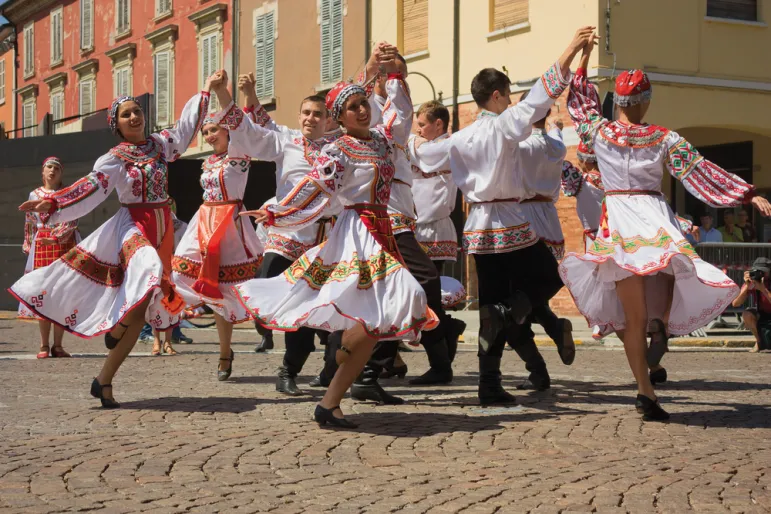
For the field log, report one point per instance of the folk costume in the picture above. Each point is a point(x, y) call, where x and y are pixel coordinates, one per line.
point(37, 227)
point(219, 248)
point(508, 254)
point(586, 188)
point(128, 259)
point(639, 234)
point(356, 276)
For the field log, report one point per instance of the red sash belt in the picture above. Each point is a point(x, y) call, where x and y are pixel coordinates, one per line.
point(539, 199)
point(213, 221)
point(497, 200)
point(375, 218)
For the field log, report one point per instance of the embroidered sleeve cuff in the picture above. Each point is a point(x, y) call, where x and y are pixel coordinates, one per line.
point(398, 76)
point(554, 82)
point(54, 206)
point(205, 94)
point(271, 221)
point(232, 118)
point(581, 72)
point(250, 109)
point(752, 193)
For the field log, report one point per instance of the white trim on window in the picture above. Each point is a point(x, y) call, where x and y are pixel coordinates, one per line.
point(162, 7)
point(122, 16)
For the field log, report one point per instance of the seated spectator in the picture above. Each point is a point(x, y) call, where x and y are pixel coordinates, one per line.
point(744, 223)
point(757, 318)
point(731, 233)
point(708, 233)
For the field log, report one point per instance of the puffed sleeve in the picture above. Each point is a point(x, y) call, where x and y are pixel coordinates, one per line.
point(584, 108)
point(704, 179)
point(82, 197)
point(250, 139)
point(176, 140)
point(572, 179)
point(30, 228)
point(397, 111)
point(63, 231)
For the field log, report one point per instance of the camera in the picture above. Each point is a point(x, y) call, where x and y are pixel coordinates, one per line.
point(757, 274)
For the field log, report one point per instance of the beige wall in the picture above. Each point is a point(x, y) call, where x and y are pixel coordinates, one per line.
point(297, 50)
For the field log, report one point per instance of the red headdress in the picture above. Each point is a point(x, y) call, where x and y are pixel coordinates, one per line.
point(339, 94)
point(632, 88)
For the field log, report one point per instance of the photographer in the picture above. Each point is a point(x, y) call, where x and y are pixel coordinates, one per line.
point(758, 317)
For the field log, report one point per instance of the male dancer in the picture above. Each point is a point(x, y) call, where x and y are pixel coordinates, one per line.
point(515, 269)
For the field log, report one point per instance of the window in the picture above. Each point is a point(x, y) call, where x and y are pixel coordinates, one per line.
point(745, 10)
point(86, 24)
point(122, 16)
point(209, 60)
point(57, 108)
point(57, 36)
point(162, 64)
point(29, 115)
point(86, 93)
point(264, 33)
point(507, 13)
point(162, 7)
point(29, 50)
point(412, 34)
point(2, 81)
point(122, 81)
point(331, 41)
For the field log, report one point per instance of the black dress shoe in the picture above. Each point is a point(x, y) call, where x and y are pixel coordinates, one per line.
point(495, 396)
point(286, 383)
point(396, 371)
point(565, 344)
point(374, 393)
point(659, 342)
point(433, 377)
point(111, 342)
point(265, 344)
point(650, 409)
point(537, 380)
point(324, 417)
point(97, 392)
point(319, 381)
point(454, 331)
point(224, 375)
point(658, 377)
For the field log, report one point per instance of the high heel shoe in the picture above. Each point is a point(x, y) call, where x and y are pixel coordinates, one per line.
point(96, 392)
point(111, 342)
point(224, 375)
point(658, 377)
point(396, 371)
point(650, 409)
point(323, 416)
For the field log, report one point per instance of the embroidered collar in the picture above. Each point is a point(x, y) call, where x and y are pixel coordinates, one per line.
point(538, 131)
point(142, 153)
point(484, 113)
point(634, 136)
point(44, 193)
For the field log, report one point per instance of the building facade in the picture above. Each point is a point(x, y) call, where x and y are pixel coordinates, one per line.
point(75, 56)
point(706, 59)
point(298, 48)
point(7, 60)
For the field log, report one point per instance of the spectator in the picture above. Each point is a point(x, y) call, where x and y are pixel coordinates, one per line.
point(731, 233)
point(708, 233)
point(748, 231)
point(758, 317)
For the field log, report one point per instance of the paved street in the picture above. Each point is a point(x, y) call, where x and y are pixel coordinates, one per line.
point(186, 443)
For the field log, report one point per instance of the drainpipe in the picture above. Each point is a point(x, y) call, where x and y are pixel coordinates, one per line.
point(235, 47)
point(367, 29)
point(455, 63)
point(14, 109)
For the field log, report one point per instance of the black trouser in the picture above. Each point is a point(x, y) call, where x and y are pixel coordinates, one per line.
point(299, 344)
point(532, 270)
point(439, 267)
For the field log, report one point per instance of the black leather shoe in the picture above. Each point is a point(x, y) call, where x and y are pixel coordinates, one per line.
point(495, 396)
point(650, 409)
point(659, 342)
point(454, 331)
point(319, 381)
point(374, 393)
point(265, 344)
point(537, 380)
point(565, 344)
point(433, 377)
point(658, 377)
point(224, 375)
point(396, 371)
point(324, 417)
point(286, 383)
point(111, 342)
point(97, 392)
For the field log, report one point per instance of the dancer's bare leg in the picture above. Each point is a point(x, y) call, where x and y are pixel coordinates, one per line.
point(135, 320)
point(58, 336)
point(45, 334)
point(670, 280)
point(225, 333)
point(631, 293)
point(361, 346)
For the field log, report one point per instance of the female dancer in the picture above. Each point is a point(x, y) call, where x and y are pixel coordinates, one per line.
point(218, 249)
point(640, 264)
point(44, 243)
point(120, 275)
point(355, 281)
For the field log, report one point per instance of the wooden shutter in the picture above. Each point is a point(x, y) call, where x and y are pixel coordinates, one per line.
point(162, 89)
point(507, 13)
point(264, 31)
point(29, 120)
point(414, 26)
point(85, 97)
point(29, 49)
point(326, 41)
point(2, 80)
point(209, 62)
point(86, 23)
point(336, 68)
point(56, 36)
point(746, 10)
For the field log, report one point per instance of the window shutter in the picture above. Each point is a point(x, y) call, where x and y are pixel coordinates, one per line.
point(509, 12)
point(29, 49)
point(205, 60)
point(326, 42)
point(746, 10)
point(86, 15)
point(414, 26)
point(270, 32)
point(162, 61)
point(85, 97)
point(259, 52)
point(2, 80)
point(337, 40)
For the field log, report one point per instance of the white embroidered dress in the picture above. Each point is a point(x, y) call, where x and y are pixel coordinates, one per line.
point(642, 236)
point(539, 161)
point(587, 189)
point(483, 157)
point(434, 195)
point(224, 182)
point(356, 275)
point(90, 289)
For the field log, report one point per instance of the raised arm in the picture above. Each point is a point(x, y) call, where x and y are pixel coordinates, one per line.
point(397, 111)
point(707, 181)
point(175, 141)
point(556, 149)
point(430, 157)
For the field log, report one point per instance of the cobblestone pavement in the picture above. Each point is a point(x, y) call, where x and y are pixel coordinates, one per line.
point(186, 443)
